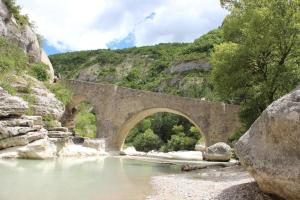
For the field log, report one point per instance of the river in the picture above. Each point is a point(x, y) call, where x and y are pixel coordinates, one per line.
point(106, 178)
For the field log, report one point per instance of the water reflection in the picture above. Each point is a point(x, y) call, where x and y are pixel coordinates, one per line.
point(90, 178)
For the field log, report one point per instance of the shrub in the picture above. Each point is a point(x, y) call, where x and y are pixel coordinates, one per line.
point(61, 91)
point(147, 141)
point(12, 58)
point(49, 121)
point(15, 10)
point(39, 71)
point(180, 142)
point(85, 121)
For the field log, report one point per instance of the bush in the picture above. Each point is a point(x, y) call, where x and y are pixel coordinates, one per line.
point(39, 71)
point(85, 121)
point(61, 91)
point(180, 142)
point(147, 141)
point(12, 58)
point(15, 10)
point(49, 121)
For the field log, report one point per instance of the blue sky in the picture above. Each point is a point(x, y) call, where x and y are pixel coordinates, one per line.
point(71, 25)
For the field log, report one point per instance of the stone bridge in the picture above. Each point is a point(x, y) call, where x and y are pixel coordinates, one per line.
point(119, 109)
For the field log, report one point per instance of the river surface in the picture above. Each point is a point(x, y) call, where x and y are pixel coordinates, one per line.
point(79, 179)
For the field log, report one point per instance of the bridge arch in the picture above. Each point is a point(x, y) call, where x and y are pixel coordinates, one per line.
point(119, 109)
point(132, 121)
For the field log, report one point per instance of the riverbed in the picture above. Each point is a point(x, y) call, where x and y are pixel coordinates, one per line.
point(106, 178)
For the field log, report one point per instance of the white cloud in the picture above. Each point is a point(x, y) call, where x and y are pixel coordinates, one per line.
point(91, 24)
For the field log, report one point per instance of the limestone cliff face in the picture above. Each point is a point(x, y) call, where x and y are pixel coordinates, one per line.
point(24, 36)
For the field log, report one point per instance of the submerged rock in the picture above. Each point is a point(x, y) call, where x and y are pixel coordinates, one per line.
point(270, 149)
point(218, 152)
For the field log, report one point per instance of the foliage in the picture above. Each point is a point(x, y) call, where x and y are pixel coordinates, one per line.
point(179, 142)
point(259, 60)
point(61, 91)
point(170, 129)
point(49, 121)
point(15, 10)
point(39, 71)
point(85, 121)
point(12, 58)
point(147, 141)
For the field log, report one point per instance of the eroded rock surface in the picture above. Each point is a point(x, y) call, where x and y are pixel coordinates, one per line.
point(44, 102)
point(11, 105)
point(270, 149)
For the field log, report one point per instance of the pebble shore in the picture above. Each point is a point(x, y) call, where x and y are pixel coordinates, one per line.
point(230, 183)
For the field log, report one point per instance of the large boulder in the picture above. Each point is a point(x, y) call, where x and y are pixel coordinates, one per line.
point(218, 152)
point(270, 149)
point(11, 105)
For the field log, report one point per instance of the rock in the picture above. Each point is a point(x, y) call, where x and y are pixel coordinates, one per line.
point(45, 103)
point(78, 140)
point(37, 120)
point(6, 132)
point(270, 149)
point(11, 105)
point(200, 147)
point(59, 134)
point(61, 129)
point(10, 153)
point(73, 150)
point(98, 144)
point(188, 66)
point(129, 151)
point(22, 140)
point(40, 149)
point(218, 152)
point(11, 122)
point(45, 60)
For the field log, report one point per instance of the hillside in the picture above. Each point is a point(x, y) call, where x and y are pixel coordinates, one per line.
point(180, 68)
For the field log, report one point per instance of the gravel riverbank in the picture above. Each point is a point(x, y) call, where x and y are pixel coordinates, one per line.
point(230, 183)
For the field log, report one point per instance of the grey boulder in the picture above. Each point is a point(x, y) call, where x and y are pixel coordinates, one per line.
point(270, 149)
point(218, 152)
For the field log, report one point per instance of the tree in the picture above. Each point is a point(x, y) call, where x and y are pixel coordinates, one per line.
point(147, 141)
point(260, 58)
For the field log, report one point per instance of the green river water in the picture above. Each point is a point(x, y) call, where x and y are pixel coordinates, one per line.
point(106, 178)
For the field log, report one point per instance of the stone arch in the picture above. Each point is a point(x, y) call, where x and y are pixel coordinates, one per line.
point(132, 121)
point(71, 110)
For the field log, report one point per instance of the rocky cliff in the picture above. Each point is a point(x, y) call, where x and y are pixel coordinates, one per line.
point(24, 36)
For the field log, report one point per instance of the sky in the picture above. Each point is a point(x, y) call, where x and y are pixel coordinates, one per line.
point(72, 25)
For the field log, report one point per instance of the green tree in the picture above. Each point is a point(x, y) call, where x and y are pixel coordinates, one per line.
point(259, 60)
point(147, 141)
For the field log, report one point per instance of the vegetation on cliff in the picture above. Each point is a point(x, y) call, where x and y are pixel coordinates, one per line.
point(15, 10)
